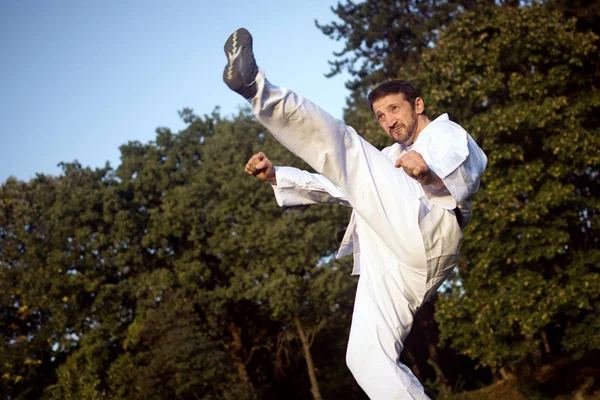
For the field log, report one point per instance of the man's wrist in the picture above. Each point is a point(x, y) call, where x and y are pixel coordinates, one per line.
point(435, 180)
point(273, 178)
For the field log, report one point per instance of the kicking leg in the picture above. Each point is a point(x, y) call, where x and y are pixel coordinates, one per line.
point(385, 197)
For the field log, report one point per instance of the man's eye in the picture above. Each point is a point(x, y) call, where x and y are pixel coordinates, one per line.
point(395, 108)
point(380, 117)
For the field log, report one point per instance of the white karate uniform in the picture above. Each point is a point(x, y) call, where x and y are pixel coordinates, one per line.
point(404, 236)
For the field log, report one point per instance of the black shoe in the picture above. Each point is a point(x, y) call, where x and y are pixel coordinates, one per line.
point(241, 69)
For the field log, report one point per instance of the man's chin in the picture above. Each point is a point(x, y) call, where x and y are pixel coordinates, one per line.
point(399, 140)
point(398, 136)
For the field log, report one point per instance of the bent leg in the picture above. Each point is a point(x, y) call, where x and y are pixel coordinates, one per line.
point(384, 196)
point(374, 346)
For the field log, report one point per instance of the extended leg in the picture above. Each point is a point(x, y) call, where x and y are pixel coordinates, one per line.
point(385, 197)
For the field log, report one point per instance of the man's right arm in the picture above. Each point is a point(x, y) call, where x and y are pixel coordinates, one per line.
point(292, 186)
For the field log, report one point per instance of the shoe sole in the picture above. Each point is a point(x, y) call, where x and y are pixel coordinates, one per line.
point(237, 40)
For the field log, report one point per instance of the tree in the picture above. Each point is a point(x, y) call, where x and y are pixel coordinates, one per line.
point(274, 256)
point(523, 82)
point(47, 244)
point(384, 35)
point(522, 77)
point(175, 276)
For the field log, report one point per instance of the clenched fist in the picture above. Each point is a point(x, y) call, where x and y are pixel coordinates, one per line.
point(415, 166)
point(262, 168)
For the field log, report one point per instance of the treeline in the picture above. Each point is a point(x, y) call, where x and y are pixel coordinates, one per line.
point(175, 276)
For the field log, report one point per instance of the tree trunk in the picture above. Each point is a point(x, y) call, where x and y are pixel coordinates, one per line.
point(314, 385)
point(237, 351)
point(506, 374)
point(545, 341)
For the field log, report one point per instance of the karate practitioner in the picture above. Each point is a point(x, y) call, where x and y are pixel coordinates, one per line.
point(407, 202)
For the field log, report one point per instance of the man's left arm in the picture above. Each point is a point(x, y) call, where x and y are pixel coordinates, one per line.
point(449, 168)
point(417, 168)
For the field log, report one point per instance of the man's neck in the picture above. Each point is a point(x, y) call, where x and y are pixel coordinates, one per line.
point(422, 122)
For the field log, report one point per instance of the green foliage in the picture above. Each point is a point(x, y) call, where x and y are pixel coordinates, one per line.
point(522, 78)
point(519, 80)
point(383, 35)
point(174, 276)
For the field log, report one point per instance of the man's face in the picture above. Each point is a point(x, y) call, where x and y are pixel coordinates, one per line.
point(397, 117)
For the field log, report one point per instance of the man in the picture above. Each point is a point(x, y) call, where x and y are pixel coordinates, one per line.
point(407, 202)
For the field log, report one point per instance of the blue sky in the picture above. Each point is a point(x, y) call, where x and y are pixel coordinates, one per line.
point(80, 78)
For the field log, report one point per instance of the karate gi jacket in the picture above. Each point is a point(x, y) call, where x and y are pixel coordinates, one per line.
point(449, 151)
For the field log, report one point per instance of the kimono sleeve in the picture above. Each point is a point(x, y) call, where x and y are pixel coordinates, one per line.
point(296, 187)
point(458, 161)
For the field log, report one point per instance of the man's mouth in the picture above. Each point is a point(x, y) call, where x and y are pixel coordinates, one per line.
point(396, 129)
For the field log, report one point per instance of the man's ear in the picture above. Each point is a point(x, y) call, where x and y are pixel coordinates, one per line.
point(419, 106)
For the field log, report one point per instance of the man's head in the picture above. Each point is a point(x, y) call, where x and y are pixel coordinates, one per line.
point(399, 110)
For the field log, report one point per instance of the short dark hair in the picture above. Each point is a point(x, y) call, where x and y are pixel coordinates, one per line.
point(394, 87)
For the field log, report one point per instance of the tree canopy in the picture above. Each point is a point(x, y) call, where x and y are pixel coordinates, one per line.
point(174, 276)
point(523, 80)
